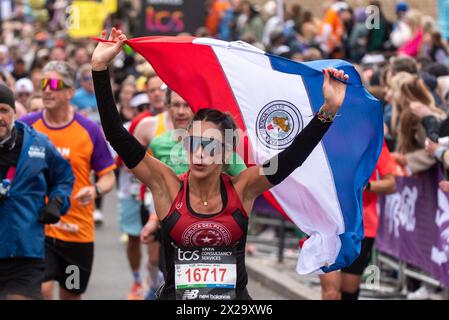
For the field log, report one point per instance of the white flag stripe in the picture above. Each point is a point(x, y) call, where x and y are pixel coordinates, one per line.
point(296, 194)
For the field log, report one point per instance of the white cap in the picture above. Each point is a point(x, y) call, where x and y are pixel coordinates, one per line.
point(139, 99)
point(24, 85)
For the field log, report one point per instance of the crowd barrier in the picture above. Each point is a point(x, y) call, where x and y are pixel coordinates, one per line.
point(414, 224)
point(412, 239)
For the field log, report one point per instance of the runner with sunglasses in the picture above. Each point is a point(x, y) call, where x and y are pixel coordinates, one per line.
point(204, 213)
point(70, 242)
point(166, 148)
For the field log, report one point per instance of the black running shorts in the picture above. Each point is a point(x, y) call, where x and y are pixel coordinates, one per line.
point(22, 277)
point(69, 263)
point(359, 265)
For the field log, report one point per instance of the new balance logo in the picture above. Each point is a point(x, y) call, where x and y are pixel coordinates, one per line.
point(190, 294)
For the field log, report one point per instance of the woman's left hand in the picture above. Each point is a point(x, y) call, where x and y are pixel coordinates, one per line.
point(334, 90)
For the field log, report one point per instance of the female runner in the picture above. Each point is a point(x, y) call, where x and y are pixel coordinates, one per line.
point(204, 213)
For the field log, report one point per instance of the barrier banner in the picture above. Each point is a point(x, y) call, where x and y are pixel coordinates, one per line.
point(171, 17)
point(87, 18)
point(414, 224)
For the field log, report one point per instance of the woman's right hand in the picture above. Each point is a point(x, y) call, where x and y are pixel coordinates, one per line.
point(105, 52)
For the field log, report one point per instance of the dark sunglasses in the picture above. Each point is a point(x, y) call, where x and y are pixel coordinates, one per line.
point(209, 145)
point(86, 78)
point(55, 84)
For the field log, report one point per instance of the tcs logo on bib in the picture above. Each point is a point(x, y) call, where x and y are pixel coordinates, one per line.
point(188, 255)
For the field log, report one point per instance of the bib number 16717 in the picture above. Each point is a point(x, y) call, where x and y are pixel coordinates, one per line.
point(205, 274)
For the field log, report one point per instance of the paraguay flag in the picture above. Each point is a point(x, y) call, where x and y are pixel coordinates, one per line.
point(272, 99)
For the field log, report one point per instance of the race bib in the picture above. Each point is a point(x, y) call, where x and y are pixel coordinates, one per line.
point(205, 273)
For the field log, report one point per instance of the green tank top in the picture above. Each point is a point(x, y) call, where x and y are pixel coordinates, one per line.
point(165, 148)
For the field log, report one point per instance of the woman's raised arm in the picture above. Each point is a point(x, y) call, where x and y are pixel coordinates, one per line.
point(162, 181)
point(255, 180)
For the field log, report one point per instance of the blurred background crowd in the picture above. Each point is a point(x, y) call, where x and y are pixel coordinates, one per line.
point(36, 31)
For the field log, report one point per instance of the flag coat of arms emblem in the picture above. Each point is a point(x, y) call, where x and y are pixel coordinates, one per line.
point(272, 99)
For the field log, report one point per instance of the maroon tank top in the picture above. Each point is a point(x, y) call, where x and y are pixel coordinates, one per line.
point(225, 228)
point(183, 227)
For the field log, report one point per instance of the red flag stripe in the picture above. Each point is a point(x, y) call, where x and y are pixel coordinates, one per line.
point(178, 62)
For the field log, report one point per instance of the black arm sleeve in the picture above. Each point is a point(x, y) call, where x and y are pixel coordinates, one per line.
point(285, 162)
point(432, 126)
point(127, 146)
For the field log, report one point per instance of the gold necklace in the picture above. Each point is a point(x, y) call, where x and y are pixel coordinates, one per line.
point(204, 202)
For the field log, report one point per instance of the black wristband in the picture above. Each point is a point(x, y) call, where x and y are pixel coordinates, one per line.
point(126, 145)
point(293, 157)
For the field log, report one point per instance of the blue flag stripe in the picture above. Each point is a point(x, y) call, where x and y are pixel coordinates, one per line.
point(349, 144)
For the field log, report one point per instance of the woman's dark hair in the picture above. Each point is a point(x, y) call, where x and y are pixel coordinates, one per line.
point(222, 120)
point(408, 141)
point(253, 11)
point(306, 17)
point(403, 63)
